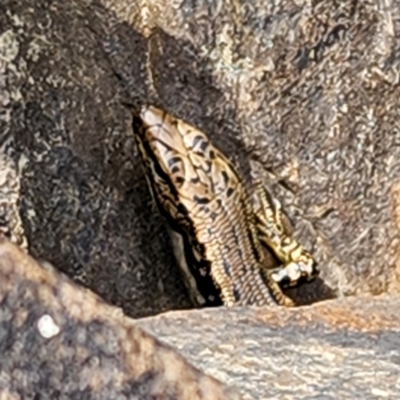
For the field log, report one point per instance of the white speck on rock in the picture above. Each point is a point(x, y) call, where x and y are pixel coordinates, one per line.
point(379, 392)
point(47, 327)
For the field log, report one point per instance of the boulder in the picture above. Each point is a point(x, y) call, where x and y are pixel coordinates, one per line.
point(338, 349)
point(60, 341)
point(307, 93)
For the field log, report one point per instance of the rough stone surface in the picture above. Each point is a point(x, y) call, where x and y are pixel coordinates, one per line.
point(339, 349)
point(83, 196)
point(309, 91)
point(59, 341)
point(11, 225)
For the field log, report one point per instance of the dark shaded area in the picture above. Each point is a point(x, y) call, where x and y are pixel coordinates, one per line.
point(84, 199)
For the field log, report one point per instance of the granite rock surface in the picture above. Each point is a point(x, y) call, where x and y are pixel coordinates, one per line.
point(60, 341)
point(338, 349)
point(307, 93)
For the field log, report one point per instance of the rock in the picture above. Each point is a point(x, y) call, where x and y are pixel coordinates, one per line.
point(308, 92)
point(58, 340)
point(10, 221)
point(83, 198)
point(344, 349)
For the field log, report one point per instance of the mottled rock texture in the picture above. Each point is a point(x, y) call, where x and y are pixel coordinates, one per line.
point(342, 349)
point(339, 349)
point(308, 91)
point(92, 352)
